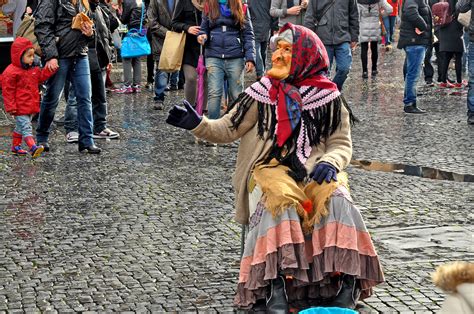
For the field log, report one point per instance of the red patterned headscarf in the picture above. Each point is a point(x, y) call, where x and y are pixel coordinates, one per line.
point(309, 64)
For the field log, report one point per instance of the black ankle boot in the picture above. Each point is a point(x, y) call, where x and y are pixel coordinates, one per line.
point(349, 293)
point(277, 300)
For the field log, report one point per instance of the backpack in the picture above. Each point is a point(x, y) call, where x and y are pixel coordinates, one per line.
point(441, 13)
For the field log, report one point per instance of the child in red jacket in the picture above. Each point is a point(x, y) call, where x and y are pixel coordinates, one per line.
point(20, 82)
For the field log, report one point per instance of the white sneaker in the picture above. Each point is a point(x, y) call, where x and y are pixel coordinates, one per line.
point(72, 137)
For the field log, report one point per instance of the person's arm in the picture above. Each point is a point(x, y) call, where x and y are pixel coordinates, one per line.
point(153, 15)
point(249, 40)
point(177, 23)
point(44, 28)
point(126, 12)
point(9, 84)
point(276, 10)
point(354, 20)
point(411, 14)
point(204, 25)
point(45, 74)
point(338, 146)
point(463, 6)
point(221, 130)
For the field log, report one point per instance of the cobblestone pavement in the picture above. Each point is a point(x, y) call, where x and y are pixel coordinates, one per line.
point(147, 225)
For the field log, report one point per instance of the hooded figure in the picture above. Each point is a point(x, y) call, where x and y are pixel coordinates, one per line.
point(307, 241)
point(20, 91)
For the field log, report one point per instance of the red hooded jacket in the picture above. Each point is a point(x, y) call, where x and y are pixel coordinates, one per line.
point(20, 86)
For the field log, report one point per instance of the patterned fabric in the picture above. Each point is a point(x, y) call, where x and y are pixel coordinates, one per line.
point(308, 64)
point(311, 97)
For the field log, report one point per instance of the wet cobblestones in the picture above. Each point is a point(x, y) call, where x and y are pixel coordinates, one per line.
point(147, 225)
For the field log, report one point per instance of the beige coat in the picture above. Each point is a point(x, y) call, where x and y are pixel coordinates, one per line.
point(337, 150)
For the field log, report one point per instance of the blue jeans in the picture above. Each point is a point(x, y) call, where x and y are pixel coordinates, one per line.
point(23, 125)
point(343, 55)
point(261, 57)
point(77, 70)
point(389, 23)
point(99, 105)
point(174, 78)
point(219, 70)
point(470, 93)
point(414, 56)
point(161, 81)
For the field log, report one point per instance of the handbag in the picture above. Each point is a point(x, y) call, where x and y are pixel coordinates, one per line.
point(465, 18)
point(27, 30)
point(135, 44)
point(171, 56)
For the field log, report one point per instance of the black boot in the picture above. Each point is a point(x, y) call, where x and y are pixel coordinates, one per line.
point(349, 293)
point(277, 300)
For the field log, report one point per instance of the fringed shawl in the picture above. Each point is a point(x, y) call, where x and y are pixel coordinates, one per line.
point(320, 118)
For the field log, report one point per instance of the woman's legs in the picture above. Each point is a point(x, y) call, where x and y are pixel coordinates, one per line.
point(215, 79)
point(458, 66)
point(234, 72)
point(375, 56)
point(444, 65)
point(127, 71)
point(386, 24)
point(137, 71)
point(364, 48)
point(190, 87)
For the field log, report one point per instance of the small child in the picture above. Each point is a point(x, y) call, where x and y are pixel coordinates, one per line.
point(20, 82)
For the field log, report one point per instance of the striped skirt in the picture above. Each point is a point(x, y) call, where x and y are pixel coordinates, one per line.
point(339, 243)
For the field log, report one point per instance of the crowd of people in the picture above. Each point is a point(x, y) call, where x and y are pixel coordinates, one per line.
point(234, 38)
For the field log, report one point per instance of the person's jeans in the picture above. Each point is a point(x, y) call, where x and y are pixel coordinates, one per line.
point(470, 93)
point(261, 57)
point(414, 56)
point(161, 81)
point(174, 79)
point(219, 70)
point(99, 105)
point(132, 65)
point(389, 23)
point(23, 125)
point(343, 55)
point(428, 69)
point(77, 70)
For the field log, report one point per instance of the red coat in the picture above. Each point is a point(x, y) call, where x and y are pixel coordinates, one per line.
point(20, 86)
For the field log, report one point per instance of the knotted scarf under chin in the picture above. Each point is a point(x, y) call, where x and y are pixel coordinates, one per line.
point(288, 109)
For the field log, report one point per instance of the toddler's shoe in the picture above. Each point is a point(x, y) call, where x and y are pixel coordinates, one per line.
point(17, 150)
point(36, 151)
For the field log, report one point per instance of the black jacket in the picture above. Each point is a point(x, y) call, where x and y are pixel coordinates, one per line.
point(100, 52)
point(186, 15)
point(132, 13)
point(415, 14)
point(53, 20)
point(462, 7)
point(263, 23)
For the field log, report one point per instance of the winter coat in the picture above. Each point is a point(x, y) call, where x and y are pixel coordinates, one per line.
point(340, 24)
point(415, 14)
point(262, 22)
point(279, 9)
point(159, 22)
point(451, 36)
point(394, 4)
point(369, 20)
point(19, 85)
point(462, 7)
point(132, 13)
point(225, 39)
point(336, 150)
point(100, 52)
point(53, 20)
point(186, 15)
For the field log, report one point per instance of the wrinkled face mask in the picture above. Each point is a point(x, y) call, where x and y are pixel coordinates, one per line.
point(282, 46)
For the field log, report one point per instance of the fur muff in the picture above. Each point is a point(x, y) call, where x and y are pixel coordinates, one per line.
point(449, 276)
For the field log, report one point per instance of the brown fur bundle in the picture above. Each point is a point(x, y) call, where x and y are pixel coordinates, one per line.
point(449, 276)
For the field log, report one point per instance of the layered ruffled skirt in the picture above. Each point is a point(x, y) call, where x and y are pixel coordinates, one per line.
point(339, 244)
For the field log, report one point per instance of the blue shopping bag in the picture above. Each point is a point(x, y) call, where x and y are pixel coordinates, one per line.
point(135, 44)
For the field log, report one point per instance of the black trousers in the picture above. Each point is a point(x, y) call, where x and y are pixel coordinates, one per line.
point(364, 52)
point(150, 64)
point(444, 65)
point(428, 69)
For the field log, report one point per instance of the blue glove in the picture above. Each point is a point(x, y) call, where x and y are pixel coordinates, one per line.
point(185, 118)
point(324, 171)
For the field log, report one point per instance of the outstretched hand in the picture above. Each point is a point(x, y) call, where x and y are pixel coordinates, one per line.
point(185, 118)
point(324, 171)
